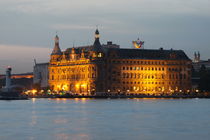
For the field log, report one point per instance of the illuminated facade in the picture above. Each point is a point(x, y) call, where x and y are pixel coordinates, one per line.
point(103, 69)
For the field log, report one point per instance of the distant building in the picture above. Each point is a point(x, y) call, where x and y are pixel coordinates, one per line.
point(23, 79)
point(196, 57)
point(197, 63)
point(101, 69)
point(19, 76)
point(22, 75)
point(41, 74)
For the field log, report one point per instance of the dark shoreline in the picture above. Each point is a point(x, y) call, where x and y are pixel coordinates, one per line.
point(109, 96)
point(123, 96)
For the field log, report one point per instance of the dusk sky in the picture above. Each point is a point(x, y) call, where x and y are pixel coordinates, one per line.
point(27, 27)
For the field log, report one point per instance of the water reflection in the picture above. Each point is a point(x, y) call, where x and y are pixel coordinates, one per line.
point(64, 100)
point(81, 100)
point(64, 136)
point(33, 100)
point(84, 100)
point(58, 100)
point(60, 121)
point(33, 118)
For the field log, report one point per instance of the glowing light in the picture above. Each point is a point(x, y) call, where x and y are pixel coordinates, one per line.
point(34, 91)
point(64, 87)
point(84, 85)
point(77, 86)
point(100, 55)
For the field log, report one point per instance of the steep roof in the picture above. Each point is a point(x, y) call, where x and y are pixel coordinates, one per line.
point(151, 54)
point(56, 49)
point(97, 45)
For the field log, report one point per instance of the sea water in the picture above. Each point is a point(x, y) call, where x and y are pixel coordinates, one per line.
point(105, 119)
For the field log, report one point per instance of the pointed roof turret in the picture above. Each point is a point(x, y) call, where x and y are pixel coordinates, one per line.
point(56, 50)
point(198, 54)
point(97, 35)
point(73, 50)
point(82, 54)
point(97, 45)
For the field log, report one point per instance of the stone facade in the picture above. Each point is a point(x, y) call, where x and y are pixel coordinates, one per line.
point(98, 69)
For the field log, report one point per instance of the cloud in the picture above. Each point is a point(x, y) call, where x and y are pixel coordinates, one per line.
point(177, 23)
point(70, 27)
point(77, 7)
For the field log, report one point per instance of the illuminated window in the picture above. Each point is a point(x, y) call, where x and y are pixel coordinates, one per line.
point(100, 55)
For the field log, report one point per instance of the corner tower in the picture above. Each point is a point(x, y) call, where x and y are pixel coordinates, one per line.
point(97, 49)
point(56, 53)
